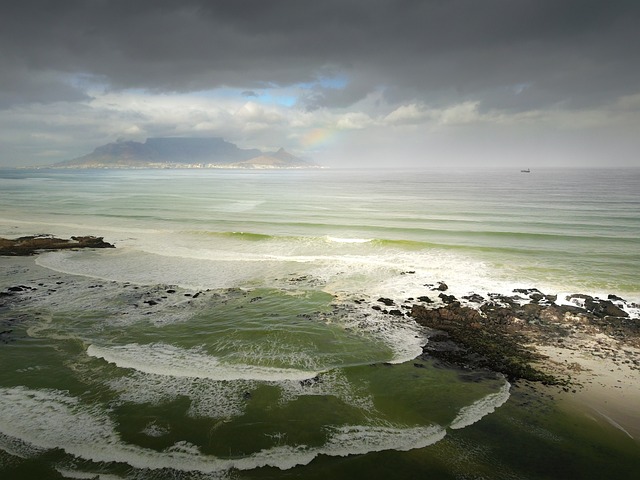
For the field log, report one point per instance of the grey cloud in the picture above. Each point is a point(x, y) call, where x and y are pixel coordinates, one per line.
point(575, 52)
point(354, 91)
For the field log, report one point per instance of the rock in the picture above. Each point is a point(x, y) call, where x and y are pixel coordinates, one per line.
point(308, 382)
point(527, 291)
point(447, 298)
point(30, 245)
point(425, 299)
point(599, 308)
point(387, 301)
point(481, 341)
point(616, 298)
point(536, 297)
point(474, 298)
point(443, 287)
point(609, 309)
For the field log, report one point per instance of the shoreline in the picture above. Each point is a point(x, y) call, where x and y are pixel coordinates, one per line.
point(587, 360)
point(608, 391)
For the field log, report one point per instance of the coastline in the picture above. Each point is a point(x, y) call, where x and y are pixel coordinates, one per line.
point(588, 361)
point(584, 363)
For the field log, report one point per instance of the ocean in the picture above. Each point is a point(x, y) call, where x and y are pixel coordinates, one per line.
point(231, 334)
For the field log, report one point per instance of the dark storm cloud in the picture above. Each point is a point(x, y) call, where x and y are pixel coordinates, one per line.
point(510, 54)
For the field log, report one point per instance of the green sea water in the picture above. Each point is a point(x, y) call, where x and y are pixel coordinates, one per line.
point(230, 334)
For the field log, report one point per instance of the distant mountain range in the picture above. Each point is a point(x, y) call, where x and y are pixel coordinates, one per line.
point(175, 152)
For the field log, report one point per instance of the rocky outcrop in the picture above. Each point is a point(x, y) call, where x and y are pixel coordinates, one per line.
point(501, 332)
point(30, 245)
point(466, 337)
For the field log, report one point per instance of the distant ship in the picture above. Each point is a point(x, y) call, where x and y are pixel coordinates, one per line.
point(525, 171)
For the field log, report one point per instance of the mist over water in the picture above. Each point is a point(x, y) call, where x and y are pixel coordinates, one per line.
point(232, 327)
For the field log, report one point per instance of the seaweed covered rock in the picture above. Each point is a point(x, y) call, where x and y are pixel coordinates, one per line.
point(31, 245)
point(486, 339)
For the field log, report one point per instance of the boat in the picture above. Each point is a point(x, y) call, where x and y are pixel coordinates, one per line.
point(525, 171)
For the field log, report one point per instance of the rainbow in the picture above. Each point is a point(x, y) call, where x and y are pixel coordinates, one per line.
point(317, 137)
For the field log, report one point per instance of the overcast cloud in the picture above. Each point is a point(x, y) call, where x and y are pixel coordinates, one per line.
point(358, 82)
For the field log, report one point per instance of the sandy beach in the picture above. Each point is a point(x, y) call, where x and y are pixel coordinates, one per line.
point(606, 382)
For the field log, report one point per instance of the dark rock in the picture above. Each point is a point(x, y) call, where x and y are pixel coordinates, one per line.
point(425, 299)
point(387, 301)
point(536, 297)
point(30, 245)
point(599, 308)
point(443, 287)
point(447, 298)
point(308, 382)
point(527, 291)
point(609, 309)
point(396, 313)
point(474, 297)
point(616, 298)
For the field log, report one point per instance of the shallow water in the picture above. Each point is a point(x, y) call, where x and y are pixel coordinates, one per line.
point(230, 334)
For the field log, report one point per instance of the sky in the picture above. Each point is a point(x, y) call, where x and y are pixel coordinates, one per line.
point(358, 83)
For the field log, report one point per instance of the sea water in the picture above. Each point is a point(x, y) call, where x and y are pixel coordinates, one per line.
point(230, 333)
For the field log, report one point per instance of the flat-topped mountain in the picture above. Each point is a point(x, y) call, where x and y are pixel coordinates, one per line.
point(179, 152)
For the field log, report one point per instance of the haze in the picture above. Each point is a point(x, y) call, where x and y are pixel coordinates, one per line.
point(359, 83)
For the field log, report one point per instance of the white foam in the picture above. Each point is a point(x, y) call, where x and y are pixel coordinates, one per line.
point(50, 419)
point(154, 430)
point(209, 398)
point(476, 411)
point(76, 474)
point(403, 337)
point(348, 240)
point(17, 447)
point(358, 439)
point(169, 360)
point(333, 383)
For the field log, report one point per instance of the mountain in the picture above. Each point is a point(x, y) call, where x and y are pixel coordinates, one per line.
point(179, 152)
point(279, 159)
